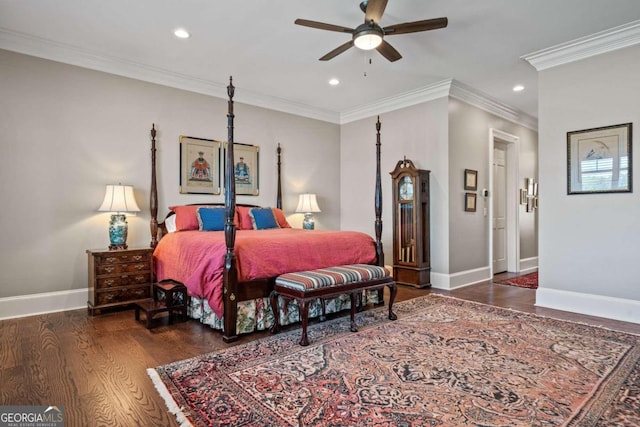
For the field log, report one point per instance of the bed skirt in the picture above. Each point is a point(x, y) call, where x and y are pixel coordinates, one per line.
point(256, 315)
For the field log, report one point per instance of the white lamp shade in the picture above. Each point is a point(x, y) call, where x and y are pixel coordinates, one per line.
point(119, 198)
point(307, 203)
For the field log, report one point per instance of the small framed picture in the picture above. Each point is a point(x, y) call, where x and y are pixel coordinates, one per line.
point(199, 165)
point(470, 180)
point(470, 202)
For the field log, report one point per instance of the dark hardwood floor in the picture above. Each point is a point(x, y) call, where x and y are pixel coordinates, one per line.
point(96, 366)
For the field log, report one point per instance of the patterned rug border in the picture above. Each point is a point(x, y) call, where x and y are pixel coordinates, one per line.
point(375, 317)
point(513, 281)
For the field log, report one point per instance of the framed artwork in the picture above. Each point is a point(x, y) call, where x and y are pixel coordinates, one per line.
point(470, 202)
point(599, 160)
point(246, 169)
point(199, 165)
point(470, 180)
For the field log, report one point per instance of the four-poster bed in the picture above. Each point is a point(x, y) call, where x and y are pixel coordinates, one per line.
point(228, 272)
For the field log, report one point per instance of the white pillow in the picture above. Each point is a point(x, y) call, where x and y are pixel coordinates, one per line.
point(170, 223)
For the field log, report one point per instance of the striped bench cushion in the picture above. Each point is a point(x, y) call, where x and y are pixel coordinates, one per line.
point(331, 276)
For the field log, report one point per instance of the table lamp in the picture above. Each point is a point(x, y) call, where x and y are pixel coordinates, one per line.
point(118, 199)
point(307, 204)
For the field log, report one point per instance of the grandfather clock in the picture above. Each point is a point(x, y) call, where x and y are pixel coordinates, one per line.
point(411, 256)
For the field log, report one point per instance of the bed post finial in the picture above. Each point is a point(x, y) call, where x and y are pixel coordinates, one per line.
point(153, 195)
point(378, 199)
point(279, 193)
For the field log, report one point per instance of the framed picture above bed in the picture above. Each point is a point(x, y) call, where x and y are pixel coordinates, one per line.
point(199, 165)
point(246, 169)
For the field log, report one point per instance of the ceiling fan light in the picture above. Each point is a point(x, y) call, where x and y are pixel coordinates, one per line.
point(368, 40)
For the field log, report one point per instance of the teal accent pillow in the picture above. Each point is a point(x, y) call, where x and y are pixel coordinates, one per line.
point(263, 218)
point(210, 219)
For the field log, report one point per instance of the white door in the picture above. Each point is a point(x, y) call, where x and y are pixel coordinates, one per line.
point(499, 208)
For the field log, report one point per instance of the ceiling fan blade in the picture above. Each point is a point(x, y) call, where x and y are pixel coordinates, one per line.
point(414, 27)
point(388, 51)
point(374, 11)
point(337, 51)
point(323, 26)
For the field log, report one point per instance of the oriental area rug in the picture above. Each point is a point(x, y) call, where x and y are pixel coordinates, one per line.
point(529, 281)
point(444, 362)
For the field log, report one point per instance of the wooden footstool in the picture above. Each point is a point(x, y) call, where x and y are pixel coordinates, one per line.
point(305, 286)
point(168, 296)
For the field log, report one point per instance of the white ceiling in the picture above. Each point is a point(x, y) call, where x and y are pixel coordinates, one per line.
point(273, 60)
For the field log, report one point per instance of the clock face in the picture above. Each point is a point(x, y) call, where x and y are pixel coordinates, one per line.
point(406, 189)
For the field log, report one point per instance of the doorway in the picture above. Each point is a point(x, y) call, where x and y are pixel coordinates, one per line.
point(503, 229)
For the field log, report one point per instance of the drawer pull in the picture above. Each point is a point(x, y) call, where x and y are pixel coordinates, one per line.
point(140, 266)
point(109, 269)
point(111, 259)
point(109, 282)
point(137, 257)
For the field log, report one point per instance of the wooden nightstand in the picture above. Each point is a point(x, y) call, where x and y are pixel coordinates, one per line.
point(119, 278)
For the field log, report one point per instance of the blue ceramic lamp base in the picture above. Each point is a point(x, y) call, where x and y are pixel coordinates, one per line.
point(308, 223)
point(118, 232)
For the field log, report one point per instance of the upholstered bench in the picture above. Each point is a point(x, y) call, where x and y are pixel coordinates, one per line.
point(305, 286)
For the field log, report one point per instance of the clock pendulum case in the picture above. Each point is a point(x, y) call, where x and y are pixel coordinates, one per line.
point(411, 255)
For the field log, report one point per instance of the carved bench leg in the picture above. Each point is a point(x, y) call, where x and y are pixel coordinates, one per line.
point(304, 316)
point(276, 312)
point(323, 304)
point(354, 297)
point(393, 290)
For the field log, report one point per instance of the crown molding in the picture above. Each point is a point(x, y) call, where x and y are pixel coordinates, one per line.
point(60, 52)
point(396, 102)
point(485, 102)
point(605, 41)
point(449, 87)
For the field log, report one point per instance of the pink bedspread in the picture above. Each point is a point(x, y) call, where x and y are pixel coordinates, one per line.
point(196, 258)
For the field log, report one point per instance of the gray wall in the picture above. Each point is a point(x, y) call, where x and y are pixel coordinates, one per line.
point(469, 149)
point(67, 131)
point(589, 244)
point(444, 136)
point(419, 133)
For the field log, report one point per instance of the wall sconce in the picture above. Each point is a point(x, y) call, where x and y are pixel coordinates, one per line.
point(307, 204)
point(529, 194)
point(118, 199)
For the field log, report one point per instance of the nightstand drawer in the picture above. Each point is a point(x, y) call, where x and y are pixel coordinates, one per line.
point(122, 258)
point(123, 295)
point(123, 280)
point(135, 267)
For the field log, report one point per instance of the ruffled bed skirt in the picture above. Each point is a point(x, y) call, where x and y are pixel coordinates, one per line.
point(256, 315)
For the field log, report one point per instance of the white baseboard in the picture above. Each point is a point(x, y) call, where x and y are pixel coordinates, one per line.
point(48, 302)
point(529, 265)
point(593, 305)
point(460, 279)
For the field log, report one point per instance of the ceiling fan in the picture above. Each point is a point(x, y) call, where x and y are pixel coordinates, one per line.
point(370, 35)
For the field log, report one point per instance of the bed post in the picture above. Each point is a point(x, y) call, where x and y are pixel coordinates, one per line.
point(279, 194)
point(378, 199)
point(230, 273)
point(153, 195)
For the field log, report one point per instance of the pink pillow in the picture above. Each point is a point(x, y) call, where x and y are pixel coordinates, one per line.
point(280, 218)
point(187, 217)
point(244, 217)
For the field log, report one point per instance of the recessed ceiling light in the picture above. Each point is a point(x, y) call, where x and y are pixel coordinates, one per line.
point(182, 33)
point(518, 88)
point(334, 82)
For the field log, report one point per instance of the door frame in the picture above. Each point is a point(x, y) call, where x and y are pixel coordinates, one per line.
point(512, 209)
